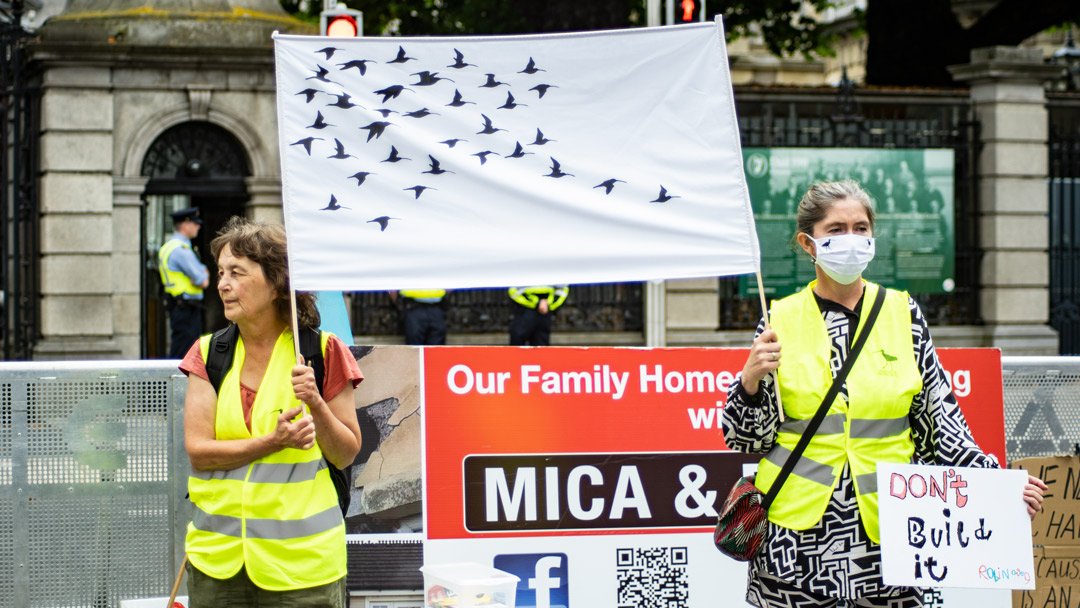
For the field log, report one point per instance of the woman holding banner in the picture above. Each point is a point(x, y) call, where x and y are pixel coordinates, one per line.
point(267, 529)
point(895, 405)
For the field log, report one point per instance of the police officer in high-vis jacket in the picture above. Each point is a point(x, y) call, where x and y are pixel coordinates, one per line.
point(424, 312)
point(530, 324)
point(184, 278)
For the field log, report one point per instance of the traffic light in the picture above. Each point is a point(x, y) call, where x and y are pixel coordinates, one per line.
point(341, 22)
point(689, 11)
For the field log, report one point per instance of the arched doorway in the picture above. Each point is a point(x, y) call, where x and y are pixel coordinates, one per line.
point(194, 164)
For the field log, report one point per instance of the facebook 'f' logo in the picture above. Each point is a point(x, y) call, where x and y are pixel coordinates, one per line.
point(543, 578)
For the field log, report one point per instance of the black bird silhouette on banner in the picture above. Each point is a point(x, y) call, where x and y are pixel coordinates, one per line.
point(360, 177)
point(376, 129)
point(436, 169)
point(383, 221)
point(333, 205)
point(394, 156)
point(418, 190)
point(359, 64)
point(427, 131)
point(320, 122)
point(556, 170)
point(320, 75)
point(401, 57)
point(458, 101)
point(459, 61)
point(663, 197)
point(309, 94)
point(339, 151)
point(609, 185)
point(306, 142)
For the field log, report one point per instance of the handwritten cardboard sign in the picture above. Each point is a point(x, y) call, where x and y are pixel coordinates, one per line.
point(954, 527)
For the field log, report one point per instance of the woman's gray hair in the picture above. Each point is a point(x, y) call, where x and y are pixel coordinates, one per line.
point(821, 196)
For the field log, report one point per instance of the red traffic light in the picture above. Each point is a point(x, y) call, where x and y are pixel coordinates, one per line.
point(341, 22)
point(689, 11)
point(342, 26)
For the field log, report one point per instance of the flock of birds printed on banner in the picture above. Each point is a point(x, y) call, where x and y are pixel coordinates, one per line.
point(383, 109)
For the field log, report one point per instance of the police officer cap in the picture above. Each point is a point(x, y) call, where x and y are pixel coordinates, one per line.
point(191, 213)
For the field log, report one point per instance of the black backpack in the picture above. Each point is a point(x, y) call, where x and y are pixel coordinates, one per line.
point(219, 359)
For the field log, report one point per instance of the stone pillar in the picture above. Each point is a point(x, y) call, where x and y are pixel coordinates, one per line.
point(77, 270)
point(693, 312)
point(265, 204)
point(1010, 105)
point(128, 264)
point(655, 313)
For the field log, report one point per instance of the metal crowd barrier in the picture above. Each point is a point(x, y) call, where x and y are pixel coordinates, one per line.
point(93, 472)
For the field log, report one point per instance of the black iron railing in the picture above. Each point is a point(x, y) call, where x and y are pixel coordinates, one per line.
point(19, 119)
point(1064, 238)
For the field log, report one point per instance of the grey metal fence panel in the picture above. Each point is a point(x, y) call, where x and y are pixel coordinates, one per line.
point(91, 482)
point(1042, 405)
point(93, 472)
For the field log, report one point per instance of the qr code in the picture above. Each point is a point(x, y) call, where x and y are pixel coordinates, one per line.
point(652, 577)
point(932, 598)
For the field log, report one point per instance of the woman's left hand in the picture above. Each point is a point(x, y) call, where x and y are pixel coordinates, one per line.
point(1033, 495)
point(303, 384)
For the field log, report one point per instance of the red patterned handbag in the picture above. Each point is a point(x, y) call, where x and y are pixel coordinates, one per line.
point(744, 516)
point(743, 521)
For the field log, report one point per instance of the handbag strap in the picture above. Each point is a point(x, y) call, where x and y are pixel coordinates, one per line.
point(819, 416)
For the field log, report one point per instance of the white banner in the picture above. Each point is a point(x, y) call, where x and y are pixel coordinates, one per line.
point(954, 527)
point(484, 162)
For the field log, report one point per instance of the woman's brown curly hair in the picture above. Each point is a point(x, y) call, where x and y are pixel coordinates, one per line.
point(265, 244)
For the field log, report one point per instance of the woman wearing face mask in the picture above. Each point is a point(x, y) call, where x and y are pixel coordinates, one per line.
point(896, 405)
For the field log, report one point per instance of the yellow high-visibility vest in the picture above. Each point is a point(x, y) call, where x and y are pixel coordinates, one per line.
point(176, 282)
point(277, 516)
point(424, 295)
point(530, 296)
point(871, 426)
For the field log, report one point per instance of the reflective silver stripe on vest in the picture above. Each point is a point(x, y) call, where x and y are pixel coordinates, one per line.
point(271, 529)
point(872, 428)
point(221, 524)
point(236, 474)
point(867, 483)
point(268, 472)
point(805, 468)
point(833, 424)
point(276, 529)
point(279, 472)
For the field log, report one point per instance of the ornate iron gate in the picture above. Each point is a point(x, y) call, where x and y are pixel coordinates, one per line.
point(1064, 184)
point(828, 118)
point(608, 307)
point(19, 110)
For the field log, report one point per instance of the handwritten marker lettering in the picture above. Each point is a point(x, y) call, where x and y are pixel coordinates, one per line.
point(918, 486)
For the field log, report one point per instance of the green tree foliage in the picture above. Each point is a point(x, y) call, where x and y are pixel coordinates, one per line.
point(909, 43)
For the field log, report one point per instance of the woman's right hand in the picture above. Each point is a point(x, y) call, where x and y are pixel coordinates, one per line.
point(763, 360)
point(298, 434)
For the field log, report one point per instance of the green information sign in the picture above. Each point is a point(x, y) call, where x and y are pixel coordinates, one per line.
point(912, 192)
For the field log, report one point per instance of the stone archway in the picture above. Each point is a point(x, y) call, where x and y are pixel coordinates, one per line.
point(191, 164)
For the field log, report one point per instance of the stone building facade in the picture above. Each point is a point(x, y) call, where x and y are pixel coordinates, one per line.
point(150, 109)
point(145, 110)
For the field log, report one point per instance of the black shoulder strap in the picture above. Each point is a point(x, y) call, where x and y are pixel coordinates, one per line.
point(826, 403)
point(311, 350)
point(219, 357)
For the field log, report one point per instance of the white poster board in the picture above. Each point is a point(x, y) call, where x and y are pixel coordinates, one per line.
point(954, 527)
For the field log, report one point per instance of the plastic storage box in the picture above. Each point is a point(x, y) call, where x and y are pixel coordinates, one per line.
point(468, 585)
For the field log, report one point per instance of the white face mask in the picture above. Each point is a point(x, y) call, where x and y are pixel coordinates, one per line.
point(844, 257)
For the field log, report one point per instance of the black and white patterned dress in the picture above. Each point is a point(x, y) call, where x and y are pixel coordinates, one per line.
point(835, 562)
